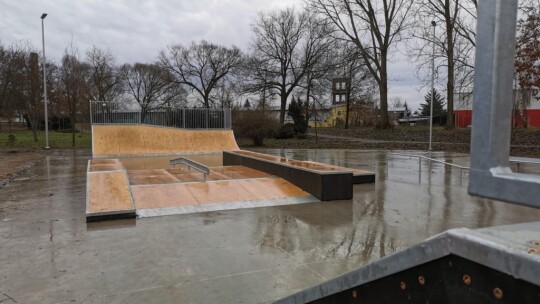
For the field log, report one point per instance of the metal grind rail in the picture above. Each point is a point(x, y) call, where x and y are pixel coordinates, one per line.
point(191, 164)
point(420, 157)
point(524, 160)
point(517, 160)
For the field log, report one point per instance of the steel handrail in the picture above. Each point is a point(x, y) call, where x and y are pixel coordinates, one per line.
point(523, 160)
point(191, 164)
point(420, 157)
point(432, 159)
point(513, 159)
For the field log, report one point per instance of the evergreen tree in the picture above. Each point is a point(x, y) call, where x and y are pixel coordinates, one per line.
point(438, 104)
point(247, 104)
point(298, 112)
point(407, 112)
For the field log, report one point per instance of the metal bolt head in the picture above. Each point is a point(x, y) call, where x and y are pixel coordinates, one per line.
point(467, 279)
point(497, 293)
point(402, 285)
point(421, 280)
point(535, 248)
point(354, 294)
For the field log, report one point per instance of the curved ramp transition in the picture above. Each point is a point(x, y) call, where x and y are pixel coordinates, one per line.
point(115, 140)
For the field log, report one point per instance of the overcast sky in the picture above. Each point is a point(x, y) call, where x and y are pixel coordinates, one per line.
point(136, 30)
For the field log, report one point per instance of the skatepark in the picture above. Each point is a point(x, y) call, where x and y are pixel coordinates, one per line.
point(238, 234)
point(180, 184)
point(162, 204)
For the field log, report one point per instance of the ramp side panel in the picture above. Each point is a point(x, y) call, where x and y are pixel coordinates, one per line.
point(151, 140)
point(326, 186)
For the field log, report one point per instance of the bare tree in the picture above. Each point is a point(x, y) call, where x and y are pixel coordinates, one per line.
point(74, 89)
point(19, 84)
point(454, 51)
point(151, 86)
point(33, 105)
point(321, 56)
point(277, 47)
point(13, 85)
point(374, 27)
point(201, 67)
point(466, 28)
point(360, 83)
point(287, 46)
point(103, 79)
point(226, 92)
point(255, 79)
point(527, 63)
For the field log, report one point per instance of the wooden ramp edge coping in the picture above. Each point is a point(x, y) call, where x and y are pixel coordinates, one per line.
point(147, 140)
point(325, 182)
point(108, 195)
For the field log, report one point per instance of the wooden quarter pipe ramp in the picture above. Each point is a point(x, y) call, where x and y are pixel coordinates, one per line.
point(116, 140)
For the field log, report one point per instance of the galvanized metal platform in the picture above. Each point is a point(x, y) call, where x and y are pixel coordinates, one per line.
point(490, 265)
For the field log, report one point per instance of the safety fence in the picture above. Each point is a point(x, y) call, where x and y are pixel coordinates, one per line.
point(185, 118)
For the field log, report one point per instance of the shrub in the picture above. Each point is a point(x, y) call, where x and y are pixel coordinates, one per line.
point(254, 124)
point(286, 131)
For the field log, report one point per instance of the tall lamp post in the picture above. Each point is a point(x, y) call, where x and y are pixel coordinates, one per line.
point(45, 84)
point(433, 23)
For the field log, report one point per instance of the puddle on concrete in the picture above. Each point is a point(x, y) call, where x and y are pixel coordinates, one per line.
point(226, 256)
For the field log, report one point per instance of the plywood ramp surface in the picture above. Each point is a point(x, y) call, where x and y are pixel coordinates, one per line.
point(105, 165)
point(181, 174)
point(152, 140)
point(156, 176)
point(174, 195)
point(108, 191)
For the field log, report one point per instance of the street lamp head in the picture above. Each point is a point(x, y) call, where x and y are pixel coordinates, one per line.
point(43, 16)
point(433, 23)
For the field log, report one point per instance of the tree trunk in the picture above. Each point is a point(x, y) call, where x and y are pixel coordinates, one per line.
point(283, 107)
point(73, 121)
point(348, 105)
point(451, 66)
point(72, 135)
point(383, 92)
point(308, 91)
point(34, 126)
point(143, 114)
point(263, 102)
point(35, 86)
point(206, 99)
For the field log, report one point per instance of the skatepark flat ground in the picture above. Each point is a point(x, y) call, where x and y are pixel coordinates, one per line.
point(49, 254)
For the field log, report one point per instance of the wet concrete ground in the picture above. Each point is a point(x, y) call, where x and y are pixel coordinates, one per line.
point(48, 253)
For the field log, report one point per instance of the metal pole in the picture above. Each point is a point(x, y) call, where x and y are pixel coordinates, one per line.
point(45, 84)
point(432, 89)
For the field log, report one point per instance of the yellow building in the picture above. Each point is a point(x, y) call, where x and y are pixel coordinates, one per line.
point(331, 117)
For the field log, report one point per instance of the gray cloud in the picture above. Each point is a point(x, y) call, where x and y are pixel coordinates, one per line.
point(135, 31)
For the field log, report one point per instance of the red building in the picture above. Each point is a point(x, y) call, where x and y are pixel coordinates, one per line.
point(528, 115)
